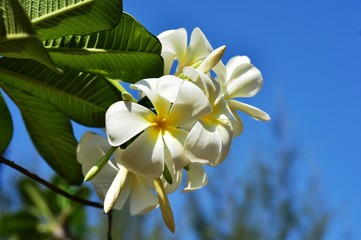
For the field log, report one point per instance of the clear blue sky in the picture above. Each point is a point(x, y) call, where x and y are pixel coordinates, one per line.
point(309, 53)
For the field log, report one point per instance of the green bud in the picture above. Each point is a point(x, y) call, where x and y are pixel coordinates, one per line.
point(99, 165)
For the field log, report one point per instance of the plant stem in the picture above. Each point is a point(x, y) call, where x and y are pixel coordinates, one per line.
point(110, 220)
point(49, 185)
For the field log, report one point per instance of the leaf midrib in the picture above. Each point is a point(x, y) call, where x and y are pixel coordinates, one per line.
point(61, 11)
point(84, 51)
point(37, 82)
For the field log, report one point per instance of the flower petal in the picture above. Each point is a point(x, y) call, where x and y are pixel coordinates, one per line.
point(208, 143)
point(145, 155)
point(250, 110)
point(196, 178)
point(141, 198)
point(125, 120)
point(149, 87)
point(209, 86)
point(191, 103)
point(243, 79)
point(90, 149)
point(174, 43)
point(176, 175)
point(174, 139)
point(198, 49)
point(237, 126)
point(88, 141)
point(115, 190)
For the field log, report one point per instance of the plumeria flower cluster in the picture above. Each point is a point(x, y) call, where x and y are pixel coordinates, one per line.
point(184, 121)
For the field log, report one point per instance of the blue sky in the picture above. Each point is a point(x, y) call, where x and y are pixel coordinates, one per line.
point(309, 53)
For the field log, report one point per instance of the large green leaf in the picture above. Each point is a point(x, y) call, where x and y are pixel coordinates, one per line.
point(51, 133)
point(6, 125)
point(57, 18)
point(128, 52)
point(82, 96)
point(17, 37)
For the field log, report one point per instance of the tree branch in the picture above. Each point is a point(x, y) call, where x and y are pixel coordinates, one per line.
point(48, 184)
point(110, 221)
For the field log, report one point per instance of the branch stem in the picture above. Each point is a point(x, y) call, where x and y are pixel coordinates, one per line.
point(49, 185)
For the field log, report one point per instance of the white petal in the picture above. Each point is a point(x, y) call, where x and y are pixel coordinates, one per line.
point(124, 120)
point(149, 87)
point(237, 126)
point(235, 61)
point(145, 155)
point(174, 139)
point(168, 58)
point(176, 175)
point(209, 86)
point(90, 149)
point(208, 143)
point(191, 103)
point(221, 72)
point(199, 48)
point(196, 178)
point(124, 194)
point(88, 141)
point(115, 190)
point(174, 42)
point(168, 87)
point(243, 81)
point(141, 199)
point(250, 110)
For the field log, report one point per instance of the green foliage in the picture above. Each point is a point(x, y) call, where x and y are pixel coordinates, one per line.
point(127, 52)
point(17, 37)
point(45, 215)
point(64, 76)
point(82, 96)
point(56, 19)
point(51, 133)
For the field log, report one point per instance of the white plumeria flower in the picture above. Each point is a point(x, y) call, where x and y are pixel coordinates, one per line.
point(239, 78)
point(174, 47)
point(210, 139)
point(177, 104)
point(114, 183)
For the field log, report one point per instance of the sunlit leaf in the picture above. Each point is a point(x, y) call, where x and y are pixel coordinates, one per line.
point(17, 37)
point(6, 125)
point(84, 97)
point(128, 52)
point(53, 19)
point(51, 133)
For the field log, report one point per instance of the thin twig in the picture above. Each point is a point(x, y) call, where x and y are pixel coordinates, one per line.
point(49, 185)
point(110, 220)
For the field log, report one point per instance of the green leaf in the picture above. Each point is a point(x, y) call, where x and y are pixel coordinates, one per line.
point(84, 97)
point(19, 225)
point(53, 19)
point(6, 125)
point(128, 52)
point(17, 37)
point(51, 133)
